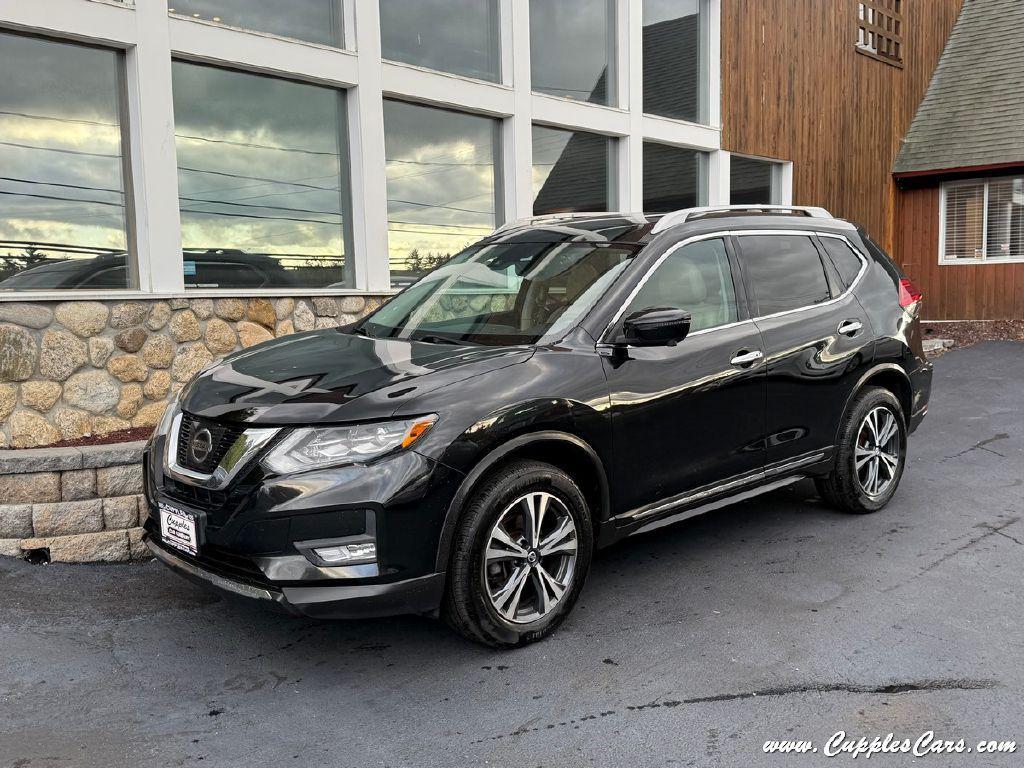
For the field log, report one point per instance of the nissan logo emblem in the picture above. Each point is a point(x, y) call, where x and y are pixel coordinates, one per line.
point(200, 445)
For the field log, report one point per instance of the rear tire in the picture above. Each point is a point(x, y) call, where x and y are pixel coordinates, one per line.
point(508, 584)
point(871, 454)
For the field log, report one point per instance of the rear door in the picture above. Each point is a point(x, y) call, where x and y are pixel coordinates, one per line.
point(817, 341)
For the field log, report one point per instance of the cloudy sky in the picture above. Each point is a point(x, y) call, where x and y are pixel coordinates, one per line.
point(570, 43)
point(60, 145)
point(440, 168)
point(259, 163)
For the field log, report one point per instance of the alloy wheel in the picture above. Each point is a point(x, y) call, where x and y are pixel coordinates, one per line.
point(530, 559)
point(877, 455)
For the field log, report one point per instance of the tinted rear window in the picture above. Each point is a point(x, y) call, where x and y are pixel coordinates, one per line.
point(848, 263)
point(785, 271)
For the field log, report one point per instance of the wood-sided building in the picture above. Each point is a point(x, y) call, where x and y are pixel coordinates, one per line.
point(832, 86)
point(960, 172)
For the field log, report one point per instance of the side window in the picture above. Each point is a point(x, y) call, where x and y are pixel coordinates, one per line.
point(216, 274)
point(785, 272)
point(847, 263)
point(696, 278)
point(114, 277)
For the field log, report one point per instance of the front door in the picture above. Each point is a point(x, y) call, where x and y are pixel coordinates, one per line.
point(817, 342)
point(690, 415)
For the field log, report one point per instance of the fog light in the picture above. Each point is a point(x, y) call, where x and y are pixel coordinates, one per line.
point(348, 554)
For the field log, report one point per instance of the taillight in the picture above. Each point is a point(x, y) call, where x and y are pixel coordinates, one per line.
point(910, 294)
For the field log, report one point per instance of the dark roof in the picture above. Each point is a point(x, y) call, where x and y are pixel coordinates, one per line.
point(973, 112)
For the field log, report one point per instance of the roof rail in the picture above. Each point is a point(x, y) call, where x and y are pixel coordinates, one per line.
point(680, 217)
point(558, 217)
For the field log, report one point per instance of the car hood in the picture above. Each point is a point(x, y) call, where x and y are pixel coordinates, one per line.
point(332, 376)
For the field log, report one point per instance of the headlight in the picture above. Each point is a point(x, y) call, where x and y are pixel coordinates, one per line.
point(316, 447)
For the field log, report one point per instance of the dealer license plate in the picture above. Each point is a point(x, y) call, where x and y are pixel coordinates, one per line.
point(179, 529)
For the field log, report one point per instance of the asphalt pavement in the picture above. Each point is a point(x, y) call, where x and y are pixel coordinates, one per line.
point(774, 619)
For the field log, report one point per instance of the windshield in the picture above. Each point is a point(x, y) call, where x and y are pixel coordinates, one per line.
point(503, 293)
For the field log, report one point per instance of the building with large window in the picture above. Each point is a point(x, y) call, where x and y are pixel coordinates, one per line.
point(181, 178)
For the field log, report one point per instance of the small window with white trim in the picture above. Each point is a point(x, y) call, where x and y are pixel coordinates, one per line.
point(754, 181)
point(982, 220)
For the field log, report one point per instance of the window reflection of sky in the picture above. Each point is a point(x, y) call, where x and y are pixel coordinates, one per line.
point(61, 191)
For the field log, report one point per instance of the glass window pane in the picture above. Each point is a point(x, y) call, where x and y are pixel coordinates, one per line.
point(672, 59)
point(572, 49)
point(458, 36)
point(1005, 218)
point(750, 181)
point(504, 293)
point(672, 178)
point(262, 180)
point(847, 263)
point(965, 221)
point(571, 171)
point(441, 185)
point(316, 21)
point(62, 200)
point(696, 278)
point(785, 270)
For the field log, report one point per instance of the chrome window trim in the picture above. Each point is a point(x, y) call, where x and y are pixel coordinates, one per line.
point(603, 342)
point(231, 464)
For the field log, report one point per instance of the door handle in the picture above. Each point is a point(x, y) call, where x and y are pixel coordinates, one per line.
point(850, 327)
point(744, 358)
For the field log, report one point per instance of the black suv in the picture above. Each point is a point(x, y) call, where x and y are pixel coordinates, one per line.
point(561, 384)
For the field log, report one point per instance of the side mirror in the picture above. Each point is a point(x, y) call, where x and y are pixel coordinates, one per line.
point(656, 327)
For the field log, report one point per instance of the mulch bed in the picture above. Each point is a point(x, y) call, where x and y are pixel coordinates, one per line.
point(121, 436)
point(967, 332)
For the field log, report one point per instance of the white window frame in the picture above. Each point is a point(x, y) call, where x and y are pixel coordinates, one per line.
point(984, 259)
point(151, 38)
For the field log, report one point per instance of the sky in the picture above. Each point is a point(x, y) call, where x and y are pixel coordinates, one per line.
point(441, 178)
point(60, 145)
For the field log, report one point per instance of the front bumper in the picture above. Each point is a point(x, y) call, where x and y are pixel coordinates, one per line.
point(421, 595)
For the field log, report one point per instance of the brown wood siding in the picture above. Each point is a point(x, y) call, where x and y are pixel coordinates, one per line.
point(951, 291)
point(795, 88)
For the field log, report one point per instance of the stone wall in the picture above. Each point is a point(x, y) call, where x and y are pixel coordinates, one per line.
point(76, 368)
point(73, 505)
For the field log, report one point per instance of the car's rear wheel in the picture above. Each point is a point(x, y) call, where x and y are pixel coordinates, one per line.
point(519, 557)
point(871, 454)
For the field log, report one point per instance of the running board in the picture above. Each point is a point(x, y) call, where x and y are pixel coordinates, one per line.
point(786, 469)
point(686, 514)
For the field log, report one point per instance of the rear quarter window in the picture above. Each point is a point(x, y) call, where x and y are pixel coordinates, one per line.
point(846, 261)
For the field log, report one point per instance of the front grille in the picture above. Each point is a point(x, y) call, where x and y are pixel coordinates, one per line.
point(194, 496)
point(222, 437)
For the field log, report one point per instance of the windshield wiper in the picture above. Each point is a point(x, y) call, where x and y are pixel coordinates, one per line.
point(433, 338)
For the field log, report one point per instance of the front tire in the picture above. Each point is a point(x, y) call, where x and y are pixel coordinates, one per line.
point(519, 556)
point(871, 454)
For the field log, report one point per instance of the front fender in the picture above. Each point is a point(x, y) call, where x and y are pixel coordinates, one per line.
point(522, 444)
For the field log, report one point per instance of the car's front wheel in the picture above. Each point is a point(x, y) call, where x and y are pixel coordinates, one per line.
point(519, 557)
point(871, 454)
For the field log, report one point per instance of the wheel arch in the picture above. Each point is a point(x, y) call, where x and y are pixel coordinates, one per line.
point(564, 450)
point(887, 376)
